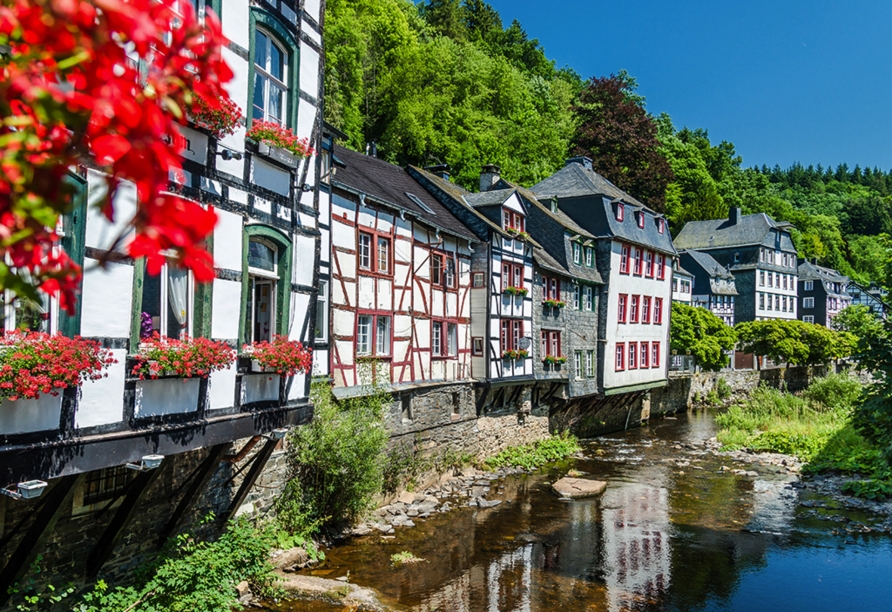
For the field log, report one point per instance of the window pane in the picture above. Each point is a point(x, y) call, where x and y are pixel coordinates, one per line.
point(261, 49)
point(383, 255)
point(263, 310)
point(259, 89)
point(450, 271)
point(436, 263)
point(151, 306)
point(276, 62)
point(453, 339)
point(261, 256)
point(363, 335)
point(276, 103)
point(436, 340)
point(382, 338)
point(177, 302)
point(365, 251)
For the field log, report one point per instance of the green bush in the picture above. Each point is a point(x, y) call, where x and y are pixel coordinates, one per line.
point(835, 392)
point(532, 456)
point(337, 461)
point(723, 389)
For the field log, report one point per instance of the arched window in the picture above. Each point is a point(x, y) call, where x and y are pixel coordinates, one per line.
point(270, 97)
point(263, 274)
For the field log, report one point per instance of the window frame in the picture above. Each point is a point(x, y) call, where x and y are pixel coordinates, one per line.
point(551, 287)
point(634, 308)
point(625, 258)
point(510, 269)
point(660, 263)
point(577, 253)
point(655, 354)
point(622, 305)
point(644, 355)
point(808, 285)
point(444, 258)
point(808, 302)
point(619, 357)
point(284, 264)
point(645, 309)
point(374, 319)
point(639, 261)
point(509, 340)
point(273, 27)
point(374, 255)
point(658, 311)
point(632, 356)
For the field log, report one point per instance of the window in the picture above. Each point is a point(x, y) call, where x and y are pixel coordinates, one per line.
point(761, 278)
point(736, 257)
point(477, 346)
point(654, 354)
point(649, 270)
point(761, 254)
point(658, 311)
point(322, 311)
point(444, 339)
point(443, 270)
point(436, 269)
point(374, 252)
point(263, 276)
point(808, 319)
point(674, 284)
point(777, 302)
point(633, 355)
point(769, 302)
point(166, 304)
point(478, 279)
point(645, 355)
point(777, 279)
point(587, 299)
point(809, 286)
point(808, 302)
point(512, 275)
point(590, 363)
point(577, 363)
point(620, 357)
point(661, 267)
point(577, 290)
point(624, 260)
point(620, 211)
point(437, 339)
point(633, 309)
point(661, 225)
point(383, 255)
point(270, 97)
point(512, 332)
point(785, 281)
point(589, 257)
point(512, 220)
point(621, 308)
point(770, 279)
point(645, 309)
point(639, 260)
point(364, 251)
point(577, 253)
point(373, 335)
point(551, 288)
point(550, 343)
point(103, 485)
point(640, 216)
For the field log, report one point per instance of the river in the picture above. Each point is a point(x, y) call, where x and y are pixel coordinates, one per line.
point(671, 532)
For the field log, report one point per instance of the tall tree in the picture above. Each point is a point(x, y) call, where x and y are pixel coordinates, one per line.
point(621, 139)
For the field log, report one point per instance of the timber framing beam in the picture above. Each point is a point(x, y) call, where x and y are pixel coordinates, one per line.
point(57, 503)
point(257, 465)
point(118, 524)
point(199, 482)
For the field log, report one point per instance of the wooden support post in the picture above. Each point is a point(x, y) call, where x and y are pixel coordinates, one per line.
point(57, 503)
point(118, 524)
point(199, 481)
point(259, 462)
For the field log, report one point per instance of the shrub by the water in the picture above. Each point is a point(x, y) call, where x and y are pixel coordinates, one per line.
point(532, 456)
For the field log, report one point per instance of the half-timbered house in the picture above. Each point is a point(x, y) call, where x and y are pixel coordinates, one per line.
point(111, 448)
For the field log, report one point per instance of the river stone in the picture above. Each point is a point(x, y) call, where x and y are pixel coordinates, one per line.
point(290, 558)
point(573, 488)
point(482, 503)
point(406, 497)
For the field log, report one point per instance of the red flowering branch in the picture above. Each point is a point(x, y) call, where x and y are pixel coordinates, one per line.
point(278, 136)
point(188, 357)
point(36, 363)
point(283, 356)
point(218, 120)
point(99, 83)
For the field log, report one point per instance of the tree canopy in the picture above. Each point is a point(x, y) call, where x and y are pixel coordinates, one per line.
point(794, 342)
point(700, 333)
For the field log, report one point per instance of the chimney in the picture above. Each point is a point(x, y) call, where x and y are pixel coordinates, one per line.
point(490, 174)
point(441, 170)
point(734, 215)
point(585, 162)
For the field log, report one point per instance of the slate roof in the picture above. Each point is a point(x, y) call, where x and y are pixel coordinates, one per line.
point(810, 271)
point(575, 180)
point(388, 184)
point(717, 233)
point(494, 197)
point(709, 265)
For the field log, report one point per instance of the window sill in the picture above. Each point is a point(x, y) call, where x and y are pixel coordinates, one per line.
point(275, 154)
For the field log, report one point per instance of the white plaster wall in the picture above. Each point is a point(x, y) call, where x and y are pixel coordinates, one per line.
point(226, 309)
point(304, 256)
point(300, 304)
point(268, 176)
point(312, 9)
point(297, 387)
point(195, 145)
point(228, 237)
point(343, 324)
point(306, 117)
point(28, 415)
point(166, 396)
point(235, 20)
point(235, 167)
point(221, 393)
point(107, 300)
point(309, 69)
point(99, 232)
point(385, 294)
point(100, 402)
point(366, 296)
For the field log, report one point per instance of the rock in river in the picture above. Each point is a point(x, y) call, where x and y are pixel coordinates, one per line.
point(578, 487)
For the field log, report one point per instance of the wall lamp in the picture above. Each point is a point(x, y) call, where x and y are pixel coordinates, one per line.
point(228, 154)
point(25, 490)
point(306, 187)
point(148, 462)
point(276, 434)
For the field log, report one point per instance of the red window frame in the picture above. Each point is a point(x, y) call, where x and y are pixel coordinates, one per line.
point(634, 303)
point(514, 274)
point(620, 357)
point(622, 304)
point(661, 225)
point(638, 261)
point(654, 354)
point(511, 333)
point(374, 255)
point(640, 219)
point(373, 333)
point(444, 353)
point(633, 355)
point(620, 211)
point(550, 343)
point(444, 258)
point(661, 266)
point(649, 268)
point(551, 288)
point(645, 309)
point(624, 259)
point(513, 220)
point(658, 311)
point(644, 355)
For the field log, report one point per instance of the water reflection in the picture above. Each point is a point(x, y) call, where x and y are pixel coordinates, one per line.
point(669, 533)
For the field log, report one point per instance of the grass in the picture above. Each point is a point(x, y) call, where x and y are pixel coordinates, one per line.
point(532, 456)
point(404, 558)
point(814, 426)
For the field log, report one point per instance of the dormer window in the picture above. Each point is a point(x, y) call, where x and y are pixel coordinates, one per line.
point(736, 257)
point(640, 216)
point(620, 211)
point(512, 221)
point(554, 205)
point(589, 257)
point(661, 225)
point(577, 253)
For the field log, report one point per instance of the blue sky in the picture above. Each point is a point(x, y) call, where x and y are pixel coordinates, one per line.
point(784, 80)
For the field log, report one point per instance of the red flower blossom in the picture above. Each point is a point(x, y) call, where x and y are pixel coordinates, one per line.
point(283, 356)
point(188, 357)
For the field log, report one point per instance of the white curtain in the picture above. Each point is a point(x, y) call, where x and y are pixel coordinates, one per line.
point(178, 294)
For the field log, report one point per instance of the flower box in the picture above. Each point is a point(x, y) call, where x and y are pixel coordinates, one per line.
point(279, 143)
point(518, 354)
point(281, 356)
point(516, 291)
point(554, 303)
point(553, 360)
point(30, 415)
point(166, 396)
point(277, 154)
point(518, 235)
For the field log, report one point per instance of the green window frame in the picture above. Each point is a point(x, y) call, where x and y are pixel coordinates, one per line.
point(284, 249)
point(73, 243)
point(272, 26)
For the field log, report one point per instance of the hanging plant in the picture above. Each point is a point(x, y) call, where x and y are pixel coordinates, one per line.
point(282, 356)
point(515, 291)
point(515, 354)
point(187, 357)
point(553, 359)
point(518, 234)
point(555, 303)
point(35, 363)
point(219, 121)
point(276, 135)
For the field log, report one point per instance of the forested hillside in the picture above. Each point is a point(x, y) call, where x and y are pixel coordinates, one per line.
point(445, 81)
